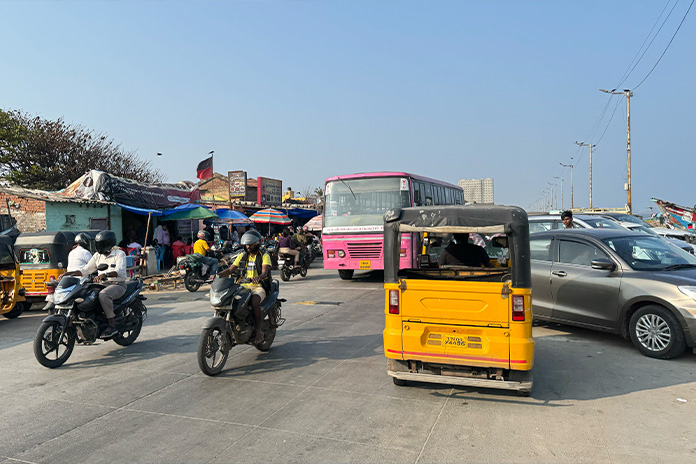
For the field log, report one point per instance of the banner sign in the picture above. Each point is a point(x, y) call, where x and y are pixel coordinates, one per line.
point(238, 183)
point(98, 185)
point(270, 191)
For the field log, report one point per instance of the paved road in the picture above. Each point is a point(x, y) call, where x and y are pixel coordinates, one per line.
point(321, 394)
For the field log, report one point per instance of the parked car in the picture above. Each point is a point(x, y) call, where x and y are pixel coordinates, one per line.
point(622, 217)
point(651, 231)
point(628, 283)
point(679, 234)
point(544, 222)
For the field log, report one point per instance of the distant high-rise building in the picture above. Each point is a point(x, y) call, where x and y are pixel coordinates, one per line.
point(477, 190)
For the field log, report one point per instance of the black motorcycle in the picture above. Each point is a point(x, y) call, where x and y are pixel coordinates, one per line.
point(196, 273)
point(234, 322)
point(77, 316)
point(287, 268)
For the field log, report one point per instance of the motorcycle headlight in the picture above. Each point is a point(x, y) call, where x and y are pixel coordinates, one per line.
point(689, 291)
point(62, 293)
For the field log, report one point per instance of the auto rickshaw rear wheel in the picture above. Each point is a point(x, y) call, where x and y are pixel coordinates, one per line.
point(18, 309)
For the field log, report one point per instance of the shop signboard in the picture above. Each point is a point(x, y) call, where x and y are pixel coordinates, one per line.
point(238, 184)
point(270, 191)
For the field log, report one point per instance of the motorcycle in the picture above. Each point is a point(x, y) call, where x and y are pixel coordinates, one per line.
point(78, 317)
point(286, 265)
point(271, 247)
point(197, 273)
point(234, 324)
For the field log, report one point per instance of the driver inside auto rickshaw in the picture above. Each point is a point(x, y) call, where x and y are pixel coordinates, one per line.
point(463, 253)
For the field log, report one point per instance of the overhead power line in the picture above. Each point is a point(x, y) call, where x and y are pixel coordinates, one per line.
point(667, 47)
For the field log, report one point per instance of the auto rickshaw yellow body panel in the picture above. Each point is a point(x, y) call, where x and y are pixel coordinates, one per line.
point(11, 293)
point(470, 324)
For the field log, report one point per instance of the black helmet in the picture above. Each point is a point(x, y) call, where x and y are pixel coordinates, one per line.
point(251, 237)
point(105, 241)
point(82, 240)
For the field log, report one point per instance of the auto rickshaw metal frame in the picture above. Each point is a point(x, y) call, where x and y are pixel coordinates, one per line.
point(12, 299)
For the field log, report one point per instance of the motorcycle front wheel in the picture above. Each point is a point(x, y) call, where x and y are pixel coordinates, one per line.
point(191, 281)
point(48, 349)
point(212, 350)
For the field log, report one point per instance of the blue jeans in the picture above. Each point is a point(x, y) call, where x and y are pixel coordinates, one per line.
point(212, 263)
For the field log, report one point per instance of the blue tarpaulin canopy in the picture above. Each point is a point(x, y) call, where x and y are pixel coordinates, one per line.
point(300, 213)
point(159, 212)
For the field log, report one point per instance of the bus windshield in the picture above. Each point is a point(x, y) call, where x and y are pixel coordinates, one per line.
point(363, 202)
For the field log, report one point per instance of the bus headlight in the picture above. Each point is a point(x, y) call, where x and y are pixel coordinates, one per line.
point(341, 254)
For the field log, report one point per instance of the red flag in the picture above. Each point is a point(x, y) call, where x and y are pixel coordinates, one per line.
point(205, 169)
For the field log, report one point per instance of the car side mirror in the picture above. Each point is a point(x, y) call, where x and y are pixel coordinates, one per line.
point(603, 264)
point(102, 267)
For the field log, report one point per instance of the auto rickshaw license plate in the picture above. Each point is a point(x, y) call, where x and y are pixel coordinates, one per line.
point(365, 264)
point(455, 341)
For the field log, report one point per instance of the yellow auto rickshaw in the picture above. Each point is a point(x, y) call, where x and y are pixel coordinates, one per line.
point(41, 255)
point(457, 324)
point(12, 300)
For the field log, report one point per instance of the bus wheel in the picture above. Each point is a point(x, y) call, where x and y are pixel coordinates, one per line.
point(346, 275)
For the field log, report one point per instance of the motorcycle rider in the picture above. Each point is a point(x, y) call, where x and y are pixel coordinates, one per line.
point(201, 247)
point(250, 261)
point(301, 241)
point(287, 246)
point(80, 254)
point(114, 276)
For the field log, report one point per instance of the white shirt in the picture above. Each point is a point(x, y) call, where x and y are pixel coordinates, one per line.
point(78, 258)
point(116, 261)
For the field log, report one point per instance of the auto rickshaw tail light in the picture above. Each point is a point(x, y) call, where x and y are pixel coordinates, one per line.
point(518, 307)
point(393, 302)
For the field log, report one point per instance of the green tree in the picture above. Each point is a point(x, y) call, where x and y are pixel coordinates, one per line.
point(43, 154)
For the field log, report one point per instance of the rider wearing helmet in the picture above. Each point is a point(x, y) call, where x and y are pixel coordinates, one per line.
point(201, 247)
point(251, 261)
point(80, 254)
point(114, 277)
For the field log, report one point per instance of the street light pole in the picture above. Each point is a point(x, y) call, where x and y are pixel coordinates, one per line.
point(583, 144)
point(628, 94)
point(572, 204)
point(553, 191)
point(558, 177)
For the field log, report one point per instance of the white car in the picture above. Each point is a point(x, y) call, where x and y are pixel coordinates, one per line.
point(656, 232)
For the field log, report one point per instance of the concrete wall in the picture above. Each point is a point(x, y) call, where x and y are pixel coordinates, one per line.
point(30, 214)
point(76, 216)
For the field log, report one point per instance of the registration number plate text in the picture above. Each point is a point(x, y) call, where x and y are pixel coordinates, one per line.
point(367, 264)
point(455, 341)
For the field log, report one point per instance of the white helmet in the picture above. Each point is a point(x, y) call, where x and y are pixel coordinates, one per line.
point(202, 234)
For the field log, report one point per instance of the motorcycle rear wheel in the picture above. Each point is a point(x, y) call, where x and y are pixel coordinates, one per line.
point(285, 274)
point(271, 327)
point(303, 271)
point(213, 350)
point(190, 281)
point(46, 343)
point(127, 337)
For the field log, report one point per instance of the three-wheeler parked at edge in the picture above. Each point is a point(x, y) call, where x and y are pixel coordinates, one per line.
point(459, 325)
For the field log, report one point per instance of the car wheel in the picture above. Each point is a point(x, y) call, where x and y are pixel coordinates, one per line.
point(656, 332)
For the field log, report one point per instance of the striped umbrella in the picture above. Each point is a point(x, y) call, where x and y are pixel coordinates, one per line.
point(270, 216)
point(315, 223)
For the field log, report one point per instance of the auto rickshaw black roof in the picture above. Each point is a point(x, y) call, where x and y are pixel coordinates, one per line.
point(482, 219)
point(55, 242)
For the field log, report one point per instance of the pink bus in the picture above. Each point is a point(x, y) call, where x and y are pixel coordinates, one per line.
point(353, 216)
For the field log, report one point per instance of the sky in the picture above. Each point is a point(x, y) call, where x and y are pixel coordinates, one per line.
point(304, 90)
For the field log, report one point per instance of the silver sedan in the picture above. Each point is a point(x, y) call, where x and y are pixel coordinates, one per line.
point(623, 282)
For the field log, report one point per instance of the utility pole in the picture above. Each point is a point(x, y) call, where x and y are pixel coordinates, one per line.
point(583, 144)
point(572, 204)
point(628, 94)
point(558, 177)
point(553, 191)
